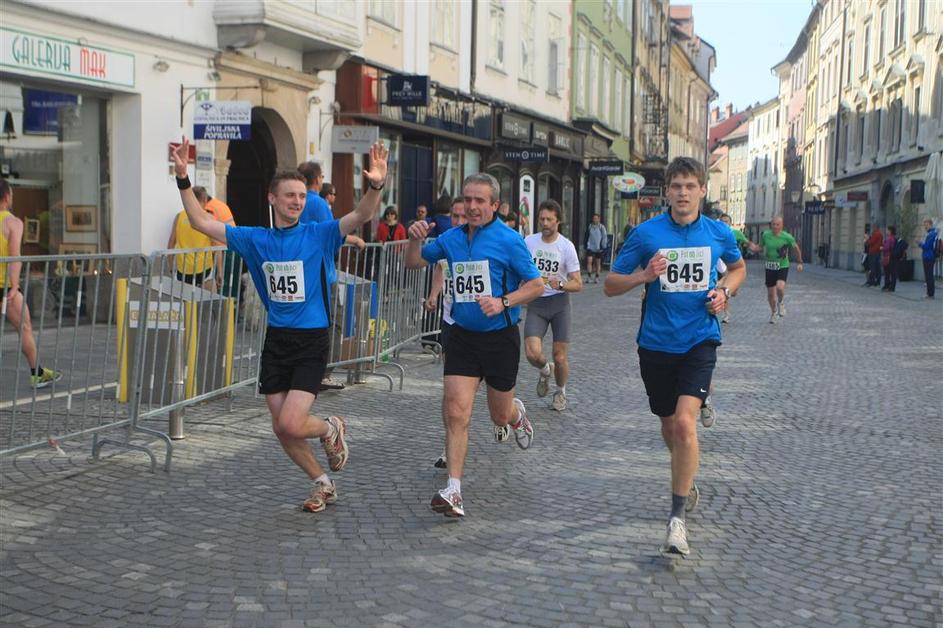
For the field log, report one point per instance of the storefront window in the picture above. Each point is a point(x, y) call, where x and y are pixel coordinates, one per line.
point(567, 228)
point(55, 157)
point(448, 174)
point(471, 163)
point(506, 182)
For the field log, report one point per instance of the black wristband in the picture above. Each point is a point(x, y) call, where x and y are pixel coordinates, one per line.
point(183, 183)
point(373, 187)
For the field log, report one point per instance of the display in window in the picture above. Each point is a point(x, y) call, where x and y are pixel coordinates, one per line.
point(81, 218)
point(31, 234)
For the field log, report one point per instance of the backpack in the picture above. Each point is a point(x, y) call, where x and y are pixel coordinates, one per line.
point(937, 248)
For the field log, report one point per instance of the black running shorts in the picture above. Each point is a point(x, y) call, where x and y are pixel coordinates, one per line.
point(293, 359)
point(490, 355)
point(772, 276)
point(667, 376)
point(444, 332)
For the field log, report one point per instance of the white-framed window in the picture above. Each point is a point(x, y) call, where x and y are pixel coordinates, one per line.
point(921, 15)
point(617, 102)
point(626, 108)
point(606, 82)
point(383, 10)
point(915, 124)
point(620, 10)
point(900, 21)
point(528, 40)
point(593, 80)
point(496, 34)
point(556, 56)
point(579, 73)
point(443, 24)
point(851, 61)
point(882, 25)
point(866, 57)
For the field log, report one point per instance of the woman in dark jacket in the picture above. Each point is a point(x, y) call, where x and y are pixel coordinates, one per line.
point(390, 229)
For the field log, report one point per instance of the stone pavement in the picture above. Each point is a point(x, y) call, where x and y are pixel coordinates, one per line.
point(820, 497)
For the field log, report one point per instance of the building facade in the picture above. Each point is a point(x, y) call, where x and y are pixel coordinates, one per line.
point(689, 90)
point(763, 175)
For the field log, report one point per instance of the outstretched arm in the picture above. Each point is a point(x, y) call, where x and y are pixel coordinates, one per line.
point(200, 220)
point(370, 202)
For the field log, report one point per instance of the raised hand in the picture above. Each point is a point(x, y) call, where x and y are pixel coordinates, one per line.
point(419, 230)
point(379, 156)
point(181, 155)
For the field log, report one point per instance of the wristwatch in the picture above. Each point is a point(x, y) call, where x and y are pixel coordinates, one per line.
point(726, 291)
point(507, 304)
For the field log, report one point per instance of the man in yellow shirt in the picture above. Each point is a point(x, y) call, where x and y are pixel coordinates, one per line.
point(11, 300)
point(228, 265)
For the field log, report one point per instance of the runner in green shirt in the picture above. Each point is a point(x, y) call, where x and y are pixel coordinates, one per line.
point(774, 247)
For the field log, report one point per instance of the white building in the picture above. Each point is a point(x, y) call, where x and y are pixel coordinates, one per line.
point(763, 174)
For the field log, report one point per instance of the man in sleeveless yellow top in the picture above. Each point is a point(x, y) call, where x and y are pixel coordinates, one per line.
point(195, 269)
point(15, 310)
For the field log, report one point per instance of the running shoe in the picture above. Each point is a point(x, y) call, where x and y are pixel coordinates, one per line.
point(329, 383)
point(502, 433)
point(725, 318)
point(448, 503)
point(708, 416)
point(676, 542)
point(694, 496)
point(321, 495)
point(772, 318)
point(559, 401)
point(45, 377)
point(440, 462)
point(523, 430)
point(781, 308)
point(543, 382)
point(336, 447)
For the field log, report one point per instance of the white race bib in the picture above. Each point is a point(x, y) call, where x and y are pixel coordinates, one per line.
point(689, 269)
point(548, 263)
point(471, 281)
point(447, 286)
point(772, 266)
point(285, 280)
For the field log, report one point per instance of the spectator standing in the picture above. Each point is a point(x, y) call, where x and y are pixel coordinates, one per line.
point(227, 267)
point(390, 230)
point(888, 263)
point(931, 251)
point(442, 220)
point(421, 214)
point(596, 240)
point(873, 244)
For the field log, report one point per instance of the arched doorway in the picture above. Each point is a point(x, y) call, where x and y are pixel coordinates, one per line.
point(254, 163)
point(886, 208)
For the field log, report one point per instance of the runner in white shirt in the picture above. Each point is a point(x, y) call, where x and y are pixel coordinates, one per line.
point(559, 265)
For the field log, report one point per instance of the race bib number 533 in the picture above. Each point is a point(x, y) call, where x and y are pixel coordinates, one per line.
point(285, 281)
point(689, 269)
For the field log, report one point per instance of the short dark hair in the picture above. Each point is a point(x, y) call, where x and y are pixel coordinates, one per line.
point(457, 199)
point(892, 230)
point(390, 209)
point(511, 216)
point(201, 194)
point(685, 167)
point(310, 170)
point(284, 175)
point(4, 187)
point(551, 206)
point(443, 204)
point(327, 188)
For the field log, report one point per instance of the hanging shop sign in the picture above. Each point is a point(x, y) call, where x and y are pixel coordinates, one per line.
point(609, 167)
point(38, 54)
point(407, 90)
point(628, 182)
point(814, 207)
point(354, 139)
point(222, 120)
point(650, 190)
point(541, 134)
point(515, 127)
point(525, 154)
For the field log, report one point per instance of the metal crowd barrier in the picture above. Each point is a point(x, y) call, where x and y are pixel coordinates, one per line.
point(74, 305)
point(137, 338)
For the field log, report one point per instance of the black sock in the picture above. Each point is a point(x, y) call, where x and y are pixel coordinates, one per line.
point(37, 370)
point(677, 506)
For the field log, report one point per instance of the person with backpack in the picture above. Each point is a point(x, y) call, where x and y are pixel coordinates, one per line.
point(932, 248)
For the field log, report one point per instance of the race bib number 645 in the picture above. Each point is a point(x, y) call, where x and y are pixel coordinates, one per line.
point(689, 269)
point(471, 281)
point(285, 281)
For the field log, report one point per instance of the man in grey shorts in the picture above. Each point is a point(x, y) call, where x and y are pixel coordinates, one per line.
point(559, 265)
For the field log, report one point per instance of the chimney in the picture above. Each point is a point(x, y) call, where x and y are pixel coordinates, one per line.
point(728, 110)
point(715, 115)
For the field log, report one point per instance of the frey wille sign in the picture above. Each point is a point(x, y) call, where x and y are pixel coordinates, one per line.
point(44, 55)
point(407, 90)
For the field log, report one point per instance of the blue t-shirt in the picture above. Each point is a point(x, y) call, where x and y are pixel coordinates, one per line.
point(509, 264)
point(296, 295)
point(676, 321)
point(442, 222)
point(316, 209)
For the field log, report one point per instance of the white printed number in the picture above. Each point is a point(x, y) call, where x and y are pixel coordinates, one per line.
point(286, 281)
point(471, 281)
point(688, 269)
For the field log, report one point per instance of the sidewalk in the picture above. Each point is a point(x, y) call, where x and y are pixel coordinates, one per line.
point(909, 290)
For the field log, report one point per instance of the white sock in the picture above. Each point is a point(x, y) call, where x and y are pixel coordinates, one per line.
point(323, 479)
point(561, 389)
point(545, 371)
point(454, 485)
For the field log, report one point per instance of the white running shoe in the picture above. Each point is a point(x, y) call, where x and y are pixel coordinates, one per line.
point(441, 462)
point(559, 401)
point(694, 496)
point(524, 432)
point(726, 317)
point(543, 382)
point(708, 416)
point(772, 318)
point(781, 308)
point(676, 542)
point(501, 433)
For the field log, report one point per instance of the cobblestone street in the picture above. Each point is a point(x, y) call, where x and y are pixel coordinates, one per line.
point(820, 495)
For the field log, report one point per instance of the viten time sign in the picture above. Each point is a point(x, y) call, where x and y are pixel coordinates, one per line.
point(42, 54)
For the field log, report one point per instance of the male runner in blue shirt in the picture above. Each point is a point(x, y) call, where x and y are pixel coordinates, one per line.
point(289, 266)
point(492, 274)
point(676, 254)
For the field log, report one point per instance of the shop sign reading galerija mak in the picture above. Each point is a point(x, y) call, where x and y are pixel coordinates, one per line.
point(44, 55)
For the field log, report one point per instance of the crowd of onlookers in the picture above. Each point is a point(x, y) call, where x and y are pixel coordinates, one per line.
point(884, 252)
